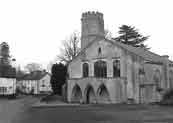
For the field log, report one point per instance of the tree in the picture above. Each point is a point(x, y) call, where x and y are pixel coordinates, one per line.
point(58, 77)
point(130, 36)
point(49, 66)
point(70, 48)
point(33, 67)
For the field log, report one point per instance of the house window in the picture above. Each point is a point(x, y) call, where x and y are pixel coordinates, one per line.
point(100, 69)
point(85, 70)
point(3, 89)
point(116, 68)
point(43, 83)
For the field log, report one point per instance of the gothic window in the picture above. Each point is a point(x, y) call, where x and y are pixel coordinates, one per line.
point(116, 68)
point(100, 69)
point(85, 70)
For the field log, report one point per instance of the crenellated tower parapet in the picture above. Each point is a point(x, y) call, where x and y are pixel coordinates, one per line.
point(92, 27)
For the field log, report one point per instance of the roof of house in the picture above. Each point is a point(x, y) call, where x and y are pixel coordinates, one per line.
point(36, 75)
point(146, 54)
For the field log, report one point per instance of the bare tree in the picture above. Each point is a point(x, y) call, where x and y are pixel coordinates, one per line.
point(70, 48)
point(108, 34)
point(33, 67)
point(49, 66)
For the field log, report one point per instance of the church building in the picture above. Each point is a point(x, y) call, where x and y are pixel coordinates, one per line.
point(107, 71)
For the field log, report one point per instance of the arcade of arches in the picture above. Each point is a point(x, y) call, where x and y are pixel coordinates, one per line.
point(101, 95)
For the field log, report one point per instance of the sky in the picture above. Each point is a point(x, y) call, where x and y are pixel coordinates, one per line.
point(35, 29)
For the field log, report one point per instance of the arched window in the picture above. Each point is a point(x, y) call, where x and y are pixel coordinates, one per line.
point(100, 69)
point(85, 70)
point(116, 68)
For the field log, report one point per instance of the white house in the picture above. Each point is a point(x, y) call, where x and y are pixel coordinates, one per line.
point(36, 82)
point(7, 86)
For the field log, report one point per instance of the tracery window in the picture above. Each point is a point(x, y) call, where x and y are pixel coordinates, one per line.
point(100, 69)
point(116, 68)
point(85, 70)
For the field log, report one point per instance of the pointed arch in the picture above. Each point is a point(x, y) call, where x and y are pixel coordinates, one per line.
point(103, 94)
point(76, 94)
point(90, 96)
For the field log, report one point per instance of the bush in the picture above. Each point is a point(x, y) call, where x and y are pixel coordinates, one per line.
point(167, 98)
point(168, 95)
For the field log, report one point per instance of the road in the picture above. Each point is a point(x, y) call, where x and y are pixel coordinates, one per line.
point(20, 111)
point(12, 109)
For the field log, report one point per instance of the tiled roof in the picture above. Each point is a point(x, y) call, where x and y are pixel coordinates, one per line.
point(36, 75)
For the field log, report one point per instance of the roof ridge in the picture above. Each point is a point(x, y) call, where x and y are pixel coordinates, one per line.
point(146, 54)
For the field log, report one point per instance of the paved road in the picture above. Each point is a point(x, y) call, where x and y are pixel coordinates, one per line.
point(11, 109)
point(20, 111)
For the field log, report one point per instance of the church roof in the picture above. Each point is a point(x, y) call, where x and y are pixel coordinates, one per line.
point(146, 54)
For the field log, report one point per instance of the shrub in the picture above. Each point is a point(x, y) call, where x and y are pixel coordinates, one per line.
point(168, 95)
point(167, 98)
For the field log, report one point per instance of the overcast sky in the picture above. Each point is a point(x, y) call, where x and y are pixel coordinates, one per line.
point(35, 29)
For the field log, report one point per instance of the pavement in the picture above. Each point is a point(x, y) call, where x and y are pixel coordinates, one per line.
point(11, 109)
point(21, 110)
point(52, 104)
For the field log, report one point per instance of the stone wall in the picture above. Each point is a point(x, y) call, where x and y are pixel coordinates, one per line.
point(130, 64)
point(114, 86)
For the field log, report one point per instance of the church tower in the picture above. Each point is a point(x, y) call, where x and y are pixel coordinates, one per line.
point(92, 27)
